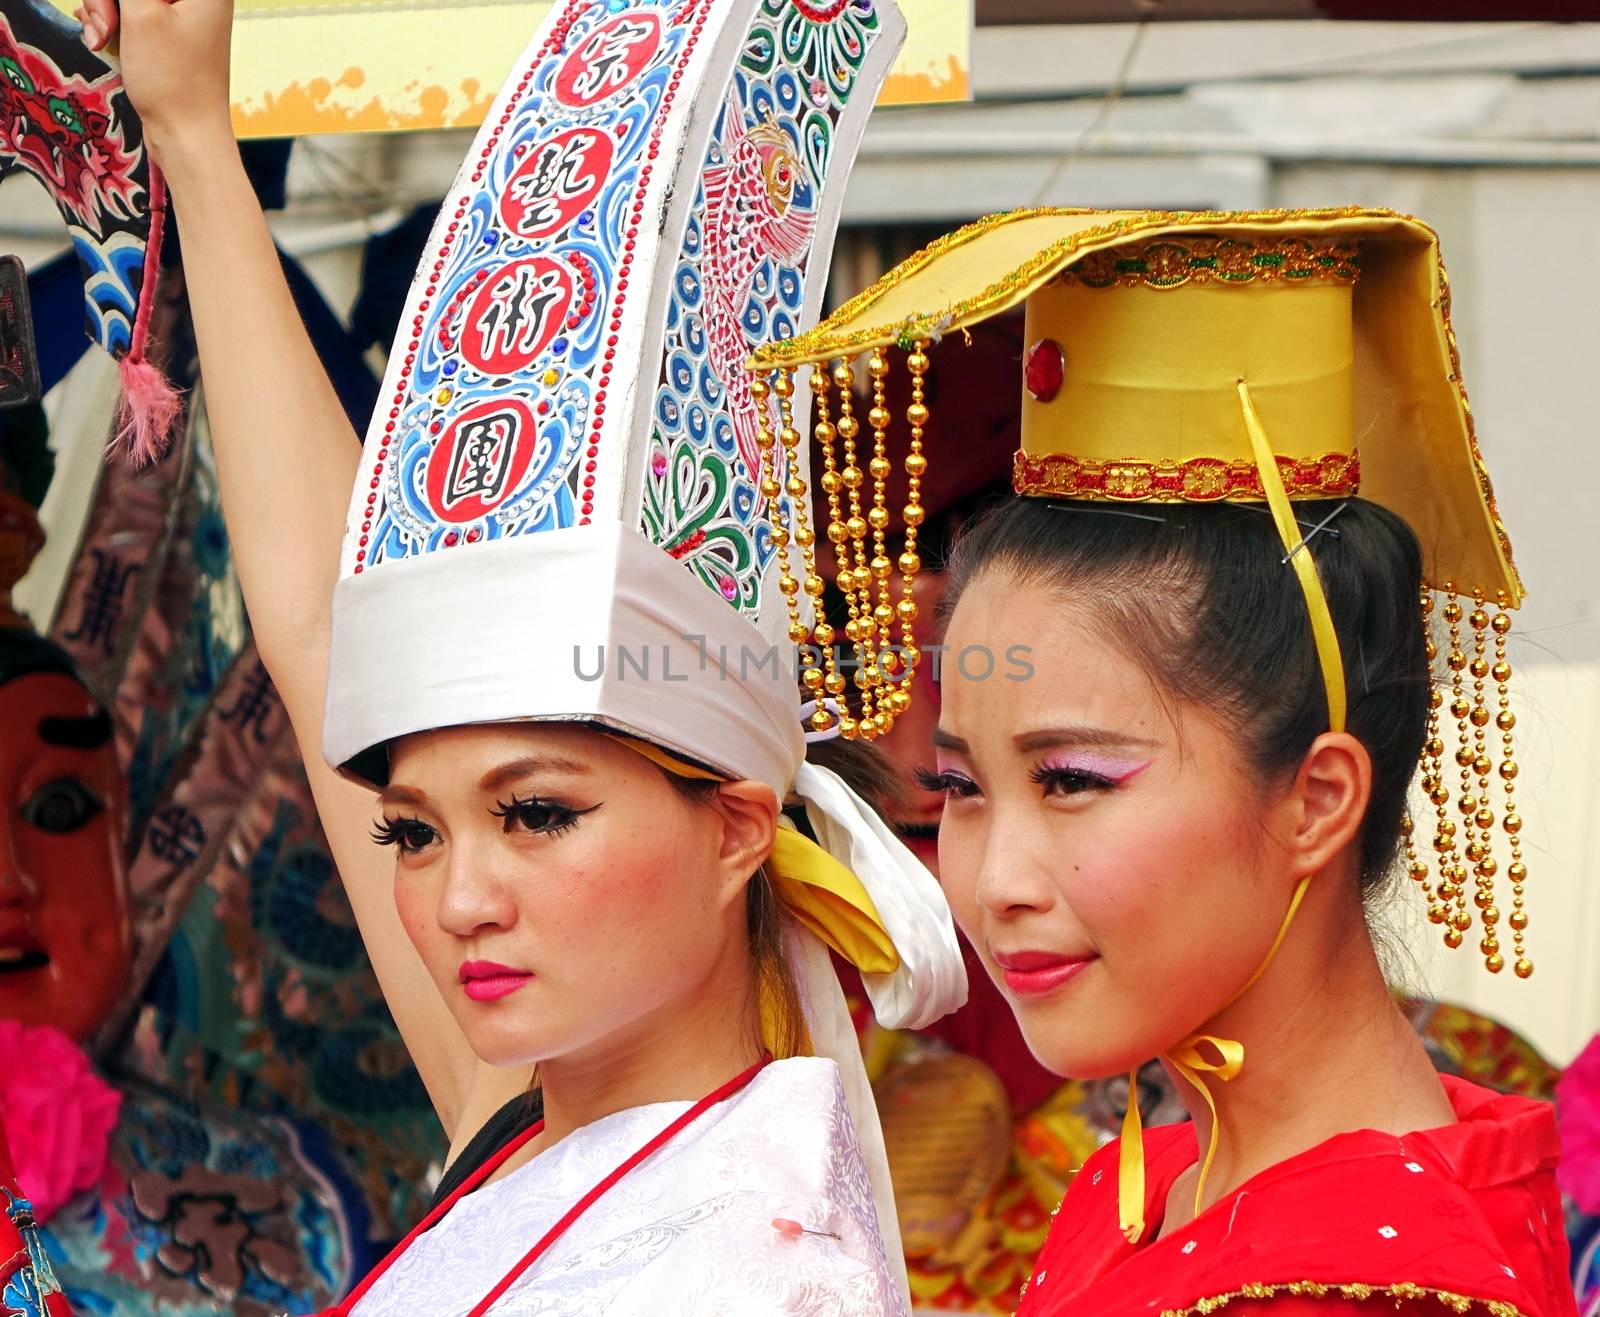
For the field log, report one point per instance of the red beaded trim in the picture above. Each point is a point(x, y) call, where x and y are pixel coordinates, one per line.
point(684, 547)
point(820, 13)
point(1198, 480)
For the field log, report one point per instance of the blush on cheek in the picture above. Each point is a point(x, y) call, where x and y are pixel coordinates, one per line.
point(956, 878)
point(415, 909)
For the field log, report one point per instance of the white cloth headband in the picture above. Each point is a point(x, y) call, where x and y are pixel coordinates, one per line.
point(608, 628)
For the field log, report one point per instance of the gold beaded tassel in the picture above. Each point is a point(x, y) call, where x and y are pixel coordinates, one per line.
point(854, 577)
point(771, 491)
point(1456, 661)
point(1447, 900)
point(879, 673)
point(812, 673)
point(1444, 897)
point(1475, 807)
point(916, 465)
point(880, 661)
point(834, 683)
point(1511, 821)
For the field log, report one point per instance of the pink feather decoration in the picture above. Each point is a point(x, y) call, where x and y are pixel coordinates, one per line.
point(148, 410)
point(150, 405)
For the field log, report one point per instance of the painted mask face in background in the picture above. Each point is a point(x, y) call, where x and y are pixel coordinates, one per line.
point(65, 945)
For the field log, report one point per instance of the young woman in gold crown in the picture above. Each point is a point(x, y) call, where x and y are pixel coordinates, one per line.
point(1255, 573)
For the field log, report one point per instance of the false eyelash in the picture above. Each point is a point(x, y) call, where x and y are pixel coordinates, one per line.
point(1078, 778)
point(946, 784)
point(393, 832)
point(564, 816)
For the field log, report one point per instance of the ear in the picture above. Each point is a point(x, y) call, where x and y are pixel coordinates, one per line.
point(749, 813)
point(1329, 796)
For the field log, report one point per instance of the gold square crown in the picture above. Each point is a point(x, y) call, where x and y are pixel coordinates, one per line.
point(1143, 326)
point(1206, 357)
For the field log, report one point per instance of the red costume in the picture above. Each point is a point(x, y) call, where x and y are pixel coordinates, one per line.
point(1464, 1216)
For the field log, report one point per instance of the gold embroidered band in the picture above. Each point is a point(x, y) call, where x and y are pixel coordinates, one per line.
point(1197, 480)
point(1166, 263)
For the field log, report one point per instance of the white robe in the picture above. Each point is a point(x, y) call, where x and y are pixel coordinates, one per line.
point(690, 1231)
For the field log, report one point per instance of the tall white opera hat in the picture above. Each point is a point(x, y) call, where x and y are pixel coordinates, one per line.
point(559, 511)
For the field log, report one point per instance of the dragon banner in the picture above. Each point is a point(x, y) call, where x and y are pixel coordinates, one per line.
point(65, 119)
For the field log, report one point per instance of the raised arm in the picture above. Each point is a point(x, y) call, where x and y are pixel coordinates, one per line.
point(286, 460)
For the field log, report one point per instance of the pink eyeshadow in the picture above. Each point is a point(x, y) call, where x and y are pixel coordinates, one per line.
point(1109, 767)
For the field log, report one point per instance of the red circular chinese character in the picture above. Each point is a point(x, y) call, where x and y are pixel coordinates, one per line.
point(608, 59)
point(557, 180)
point(514, 315)
point(480, 459)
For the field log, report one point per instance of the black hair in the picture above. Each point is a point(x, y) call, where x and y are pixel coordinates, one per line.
point(25, 653)
point(1203, 597)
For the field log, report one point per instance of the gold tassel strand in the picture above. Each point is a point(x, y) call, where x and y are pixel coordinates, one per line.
point(1456, 661)
point(1451, 873)
point(760, 391)
point(883, 614)
point(833, 681)
point(853, 574)
point(772, 490)
point(812, 676)
point(916, 465)
point(1511, 821)
point(1482, 817)
point(1416, 866)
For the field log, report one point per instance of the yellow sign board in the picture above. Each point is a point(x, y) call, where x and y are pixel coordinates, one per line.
point(389, 65)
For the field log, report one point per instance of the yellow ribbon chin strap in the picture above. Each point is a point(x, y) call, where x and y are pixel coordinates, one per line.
point(1192, 1057)
point(1327, 639)
point(1201, 1054)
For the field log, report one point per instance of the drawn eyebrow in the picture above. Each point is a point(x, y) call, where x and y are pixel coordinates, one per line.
point(1047, 737)
point(89, 732)
point(398, 795)
point(513, 769)
point(1102, 737)
point(493, 780)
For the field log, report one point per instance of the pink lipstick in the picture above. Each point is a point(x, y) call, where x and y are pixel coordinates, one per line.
point(1033, 973)
point(488, 980)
